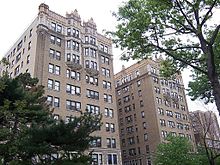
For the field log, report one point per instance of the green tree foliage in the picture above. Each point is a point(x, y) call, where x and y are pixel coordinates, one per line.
point(204, 158)
point(183, 31)
point(176, 151)
point(30, 135)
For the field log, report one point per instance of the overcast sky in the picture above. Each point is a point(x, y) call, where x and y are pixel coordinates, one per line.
point(16, 16)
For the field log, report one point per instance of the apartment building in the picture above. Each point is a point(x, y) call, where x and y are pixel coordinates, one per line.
point(75, 64)
point(205, 127)
point(149, 108)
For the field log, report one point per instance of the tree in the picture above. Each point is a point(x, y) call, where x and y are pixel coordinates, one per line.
point(30, 135)
point(175, 151)
point(180, 30)
point(206, 136)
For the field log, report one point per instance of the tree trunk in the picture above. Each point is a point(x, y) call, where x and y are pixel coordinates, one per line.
point(216, 94)
point(213, 76)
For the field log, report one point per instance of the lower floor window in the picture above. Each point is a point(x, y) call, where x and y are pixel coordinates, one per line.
point(112, 159)
point(97, 159)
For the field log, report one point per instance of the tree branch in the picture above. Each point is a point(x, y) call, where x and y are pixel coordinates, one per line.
point(178, 59)
point(215, 33)
point(208, 12)
point(184, 26)
point(185, 16)
point(185, 47)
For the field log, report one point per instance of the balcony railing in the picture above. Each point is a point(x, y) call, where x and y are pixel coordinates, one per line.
point(73, 66)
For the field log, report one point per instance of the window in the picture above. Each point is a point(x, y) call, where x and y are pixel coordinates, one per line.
point(52, 39)
point(50, 84)
point(96, 142)
point(74, 90)
point(164, 134)
point(86, 39)
point(59, 28)
point(142, 114)
point(105, 72)
point(18, 57)
point(68, 31)
point(101, 47)
point(53, 26)
point(112, 159)
point(145, 137)
point(57, 70)
point(68, 44)
point(91, 64)
point(104, 60)
point(186, 127)
point(119, 92)
point(28, 59)
point(56, 85)
point(106, 84)
point(181, 135)
point(92, 94)
point(19, 45)
point(112, 126)
point(55, 54)
point(75, 45)
point(108, 112)
point(157, 90)
point(93, 52)
point(56, 102)
point(171, 124)
point(107, 127)
point(93, 109)
point(97, 159)
point(126, 99)
point(131, 140)
point(147, 149)
point(108, 98)
point(76, 58)
point(56, 117)
point(144, 125)
point(49, 100)
point(160, 111)
point(162, 122)
point(51, 68)
point(86, 51)
point(158, 100)
point(106, 49)
point(138, 83)
point(183, 108)
point(155, 80)
point(73, 105)
point(132, 151)
point(17, 70)
point(169, 113)
point(111, 142)
point(58, 41)
point(179, 125)
point(73, 75)
point(141, 103)
point(128, 119)
point(178, 115)
point(68, 57)
point(91, 80)
point(76, 33)
point(30, 33)
point(127, 108)
point(29, 45)
point(92, 40)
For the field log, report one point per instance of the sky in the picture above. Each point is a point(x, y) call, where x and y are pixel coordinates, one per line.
point(17, 15)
